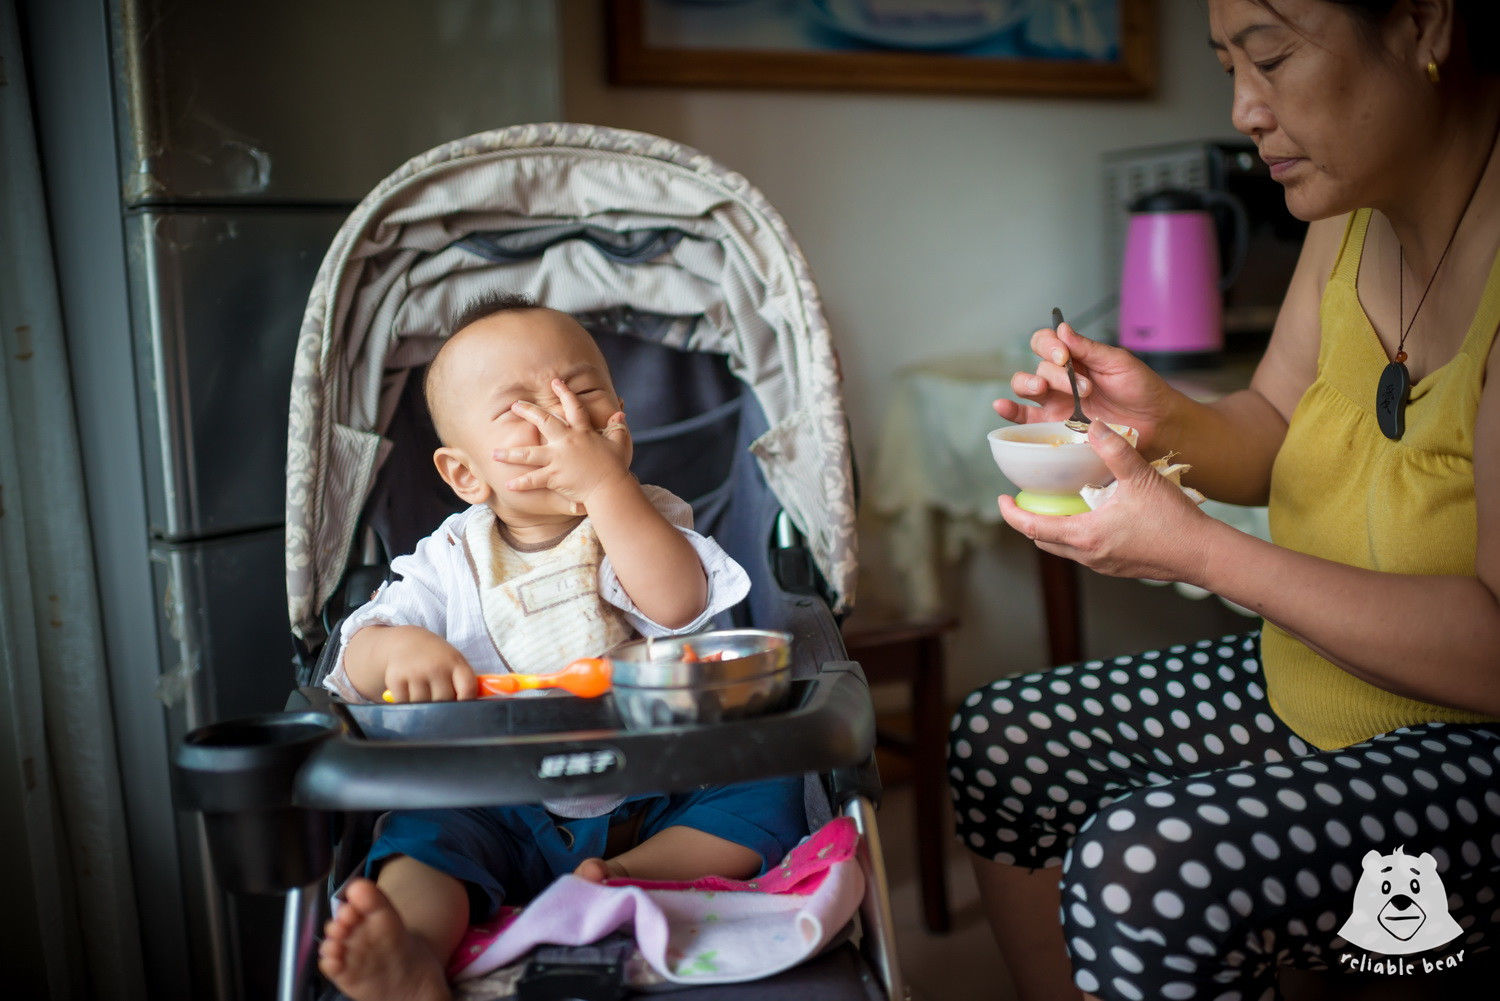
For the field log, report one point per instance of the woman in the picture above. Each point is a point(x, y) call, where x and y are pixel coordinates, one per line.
point(1200, 816)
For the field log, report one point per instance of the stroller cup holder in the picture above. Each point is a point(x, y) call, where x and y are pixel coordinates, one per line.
point(241, 773)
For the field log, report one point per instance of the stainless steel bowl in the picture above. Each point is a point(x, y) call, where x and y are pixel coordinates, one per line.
point(654, 686)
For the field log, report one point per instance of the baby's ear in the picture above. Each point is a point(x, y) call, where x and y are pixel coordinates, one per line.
point(456, 471)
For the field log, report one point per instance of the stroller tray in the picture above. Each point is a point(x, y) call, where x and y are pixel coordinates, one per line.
point(497, 751)
point(277, 777)
point(742, 673)
point(543, 712)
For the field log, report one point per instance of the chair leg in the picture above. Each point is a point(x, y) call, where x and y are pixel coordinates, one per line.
point(1060, 602)
point(929, 740)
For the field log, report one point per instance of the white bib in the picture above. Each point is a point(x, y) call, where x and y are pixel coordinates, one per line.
point(543, 608)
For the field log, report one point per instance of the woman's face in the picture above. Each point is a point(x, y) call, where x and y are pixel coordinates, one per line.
point(1341, 114)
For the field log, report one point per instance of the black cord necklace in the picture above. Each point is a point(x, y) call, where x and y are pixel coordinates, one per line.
point(1393, 392)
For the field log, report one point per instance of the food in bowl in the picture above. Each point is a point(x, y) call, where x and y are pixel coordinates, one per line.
point(708, 677)
point(1050, 462)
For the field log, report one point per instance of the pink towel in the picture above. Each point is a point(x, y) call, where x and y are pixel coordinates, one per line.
point(708, 931)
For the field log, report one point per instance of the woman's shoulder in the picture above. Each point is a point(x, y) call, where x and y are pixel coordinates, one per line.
point(1290, 362)
point(1328, 240)
point(1331, 246)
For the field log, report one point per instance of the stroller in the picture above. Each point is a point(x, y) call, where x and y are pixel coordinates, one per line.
point(706, 314)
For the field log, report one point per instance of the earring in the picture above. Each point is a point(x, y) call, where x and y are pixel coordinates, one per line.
point(1432, 71)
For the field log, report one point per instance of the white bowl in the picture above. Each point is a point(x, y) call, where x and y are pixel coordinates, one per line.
point(1050, 463)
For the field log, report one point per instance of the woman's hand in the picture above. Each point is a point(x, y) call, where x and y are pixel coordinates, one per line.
point(1115, 385)
point(1149, 528)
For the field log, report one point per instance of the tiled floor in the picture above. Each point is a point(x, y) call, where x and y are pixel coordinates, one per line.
point(962, 965)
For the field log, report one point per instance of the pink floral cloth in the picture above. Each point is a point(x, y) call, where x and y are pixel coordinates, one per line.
point(710, 930)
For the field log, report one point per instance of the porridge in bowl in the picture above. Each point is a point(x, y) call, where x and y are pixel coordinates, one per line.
point(1050, 463)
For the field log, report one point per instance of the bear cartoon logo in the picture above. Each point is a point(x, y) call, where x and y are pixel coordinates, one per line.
point(1400, 905)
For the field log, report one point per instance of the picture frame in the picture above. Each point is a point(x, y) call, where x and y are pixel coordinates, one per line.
point(1086, 48)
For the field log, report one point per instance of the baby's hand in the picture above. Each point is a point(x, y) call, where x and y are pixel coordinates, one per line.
point(421, 666)
point(575, 459)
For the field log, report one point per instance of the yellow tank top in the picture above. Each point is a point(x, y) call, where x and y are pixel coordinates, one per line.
point(1343, 491)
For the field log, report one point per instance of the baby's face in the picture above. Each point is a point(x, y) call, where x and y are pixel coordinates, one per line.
point(505, 359)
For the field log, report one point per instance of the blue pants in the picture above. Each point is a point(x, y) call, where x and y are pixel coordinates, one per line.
point(1203, 843)
point(512, 853)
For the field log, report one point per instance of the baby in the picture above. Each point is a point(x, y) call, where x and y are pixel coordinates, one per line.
point(562, 554)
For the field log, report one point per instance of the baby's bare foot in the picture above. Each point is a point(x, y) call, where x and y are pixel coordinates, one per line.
point(597, 870)
point(369, 955)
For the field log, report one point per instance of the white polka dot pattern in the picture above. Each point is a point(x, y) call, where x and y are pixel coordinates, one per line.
point(1202, 842)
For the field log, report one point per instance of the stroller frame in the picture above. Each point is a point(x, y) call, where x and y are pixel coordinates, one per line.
point(270, 787)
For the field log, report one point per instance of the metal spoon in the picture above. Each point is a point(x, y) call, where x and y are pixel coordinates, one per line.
point(1078, 422)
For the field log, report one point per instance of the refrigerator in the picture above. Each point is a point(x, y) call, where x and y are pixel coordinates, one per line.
point(198, 156)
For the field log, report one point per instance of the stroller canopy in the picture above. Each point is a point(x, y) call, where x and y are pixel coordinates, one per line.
point(587, 220)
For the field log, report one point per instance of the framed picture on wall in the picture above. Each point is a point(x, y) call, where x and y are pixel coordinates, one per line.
point(1030, 47)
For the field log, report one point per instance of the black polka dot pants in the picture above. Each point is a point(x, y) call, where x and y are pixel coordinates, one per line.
point(1202, 842)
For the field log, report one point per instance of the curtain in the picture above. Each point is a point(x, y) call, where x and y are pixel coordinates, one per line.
point(64, 834)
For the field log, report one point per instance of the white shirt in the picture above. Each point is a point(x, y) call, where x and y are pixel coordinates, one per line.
point(438, 590)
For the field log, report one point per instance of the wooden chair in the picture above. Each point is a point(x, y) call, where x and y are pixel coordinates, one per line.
point(1060, 592)
point(910, 652)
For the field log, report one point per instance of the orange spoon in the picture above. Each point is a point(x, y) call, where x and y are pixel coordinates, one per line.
point(588, 678)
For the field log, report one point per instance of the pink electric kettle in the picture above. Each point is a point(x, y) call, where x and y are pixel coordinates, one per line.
point(1171, 301)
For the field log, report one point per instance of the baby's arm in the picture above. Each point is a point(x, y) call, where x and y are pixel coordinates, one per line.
point(727, 581)
point(395, 641)
point(412, 663)
point(656, 565)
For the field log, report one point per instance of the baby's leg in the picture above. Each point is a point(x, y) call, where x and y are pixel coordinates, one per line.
point(677, 853)
point(732, 831)
point(392, 938)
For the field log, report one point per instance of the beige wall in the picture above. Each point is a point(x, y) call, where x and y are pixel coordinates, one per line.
point(940, 224)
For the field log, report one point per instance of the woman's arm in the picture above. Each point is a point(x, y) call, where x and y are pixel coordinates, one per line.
point(1436, 639)
point(1230, 443)
point(1431, 638)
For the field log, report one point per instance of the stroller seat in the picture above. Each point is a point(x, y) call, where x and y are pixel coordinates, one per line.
point(709, 320)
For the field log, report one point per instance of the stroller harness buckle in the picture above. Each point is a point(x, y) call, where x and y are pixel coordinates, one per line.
point(577, 972)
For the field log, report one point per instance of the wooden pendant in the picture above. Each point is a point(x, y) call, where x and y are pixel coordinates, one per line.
point(1390, 400)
